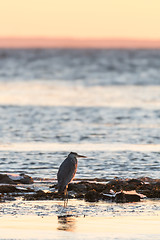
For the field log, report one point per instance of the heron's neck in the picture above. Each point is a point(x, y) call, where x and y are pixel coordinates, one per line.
point(74, 160)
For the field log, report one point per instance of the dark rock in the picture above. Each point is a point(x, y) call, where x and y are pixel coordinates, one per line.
point(99, 187)
point(151, 190)
point(54, 186)
point(13, 189)
point(127, 185)
point(4, 178)
point(8, 189)
point(79, 196)
point(116, 185)
point(84, 187)
point(78, 187)
point(92, 196)
point(41, 195)
point(152, 194)
point(145, 186)
point(92, 191)
point(132, 184)
point(124, 198)
point(135, 182)
point(26, 179)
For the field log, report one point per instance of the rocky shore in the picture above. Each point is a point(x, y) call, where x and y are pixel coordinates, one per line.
point(92, 190)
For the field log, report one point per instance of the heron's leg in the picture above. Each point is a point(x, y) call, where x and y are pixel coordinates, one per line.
point(67, 193)
point(65, 197)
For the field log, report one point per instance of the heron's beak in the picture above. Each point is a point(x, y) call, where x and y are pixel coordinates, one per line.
point(81, 156)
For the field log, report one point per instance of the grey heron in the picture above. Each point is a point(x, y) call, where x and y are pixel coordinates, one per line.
point(67, 171)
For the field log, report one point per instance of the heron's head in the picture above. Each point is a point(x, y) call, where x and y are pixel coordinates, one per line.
point(74, 154)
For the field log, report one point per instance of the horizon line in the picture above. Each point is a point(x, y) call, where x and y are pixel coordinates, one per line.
point(75, 42)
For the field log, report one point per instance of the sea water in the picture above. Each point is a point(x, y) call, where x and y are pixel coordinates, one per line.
point(104, 104)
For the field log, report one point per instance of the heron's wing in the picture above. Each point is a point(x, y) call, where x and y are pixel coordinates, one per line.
point(65, 174)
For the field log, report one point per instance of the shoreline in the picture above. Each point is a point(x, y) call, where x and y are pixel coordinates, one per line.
point(34, 227)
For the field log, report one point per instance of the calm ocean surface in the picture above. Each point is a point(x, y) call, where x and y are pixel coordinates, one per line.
point(106, 102)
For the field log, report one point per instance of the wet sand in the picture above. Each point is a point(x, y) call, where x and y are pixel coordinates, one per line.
point(80, 220)
point(52, 227)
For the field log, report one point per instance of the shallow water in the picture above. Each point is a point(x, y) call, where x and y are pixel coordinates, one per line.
point(99, 164)
point(80, 208)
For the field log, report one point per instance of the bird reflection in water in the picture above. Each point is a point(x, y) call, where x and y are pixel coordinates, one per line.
point(66, 223)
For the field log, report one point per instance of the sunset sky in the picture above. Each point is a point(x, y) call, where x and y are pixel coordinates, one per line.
point(138, 19)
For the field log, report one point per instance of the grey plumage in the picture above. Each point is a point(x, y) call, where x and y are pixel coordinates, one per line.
point(67, 171)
